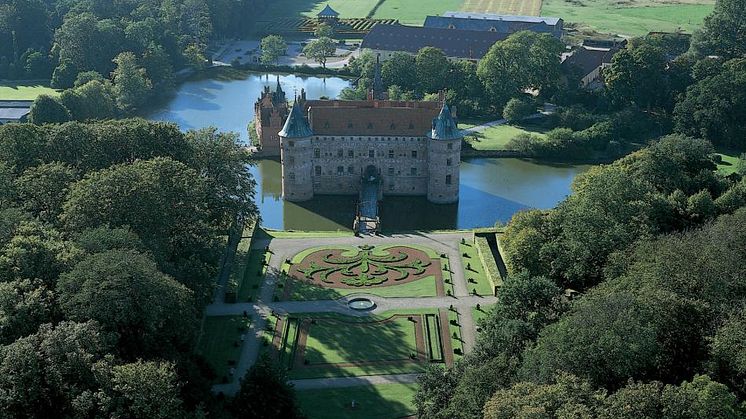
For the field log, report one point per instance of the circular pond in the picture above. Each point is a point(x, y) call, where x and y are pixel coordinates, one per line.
point(361, 304)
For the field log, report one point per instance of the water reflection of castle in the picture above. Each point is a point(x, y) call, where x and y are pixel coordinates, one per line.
point(413, 148)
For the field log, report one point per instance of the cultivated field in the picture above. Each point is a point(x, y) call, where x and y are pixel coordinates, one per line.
point(508, 7)
point(414, 12)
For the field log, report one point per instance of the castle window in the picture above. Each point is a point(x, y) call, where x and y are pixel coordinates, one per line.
point(317, 170)
point(340, 153)
point(291, 143)
point(493, 29)
point(391, 171)
point(391, 186)
point(448, 162)
point(326, 124)
point(411, 125)
point(350, 169)
point(392, 126)
point(370, 125)
point(340, 170)
point(291, 159)
point(451, 26)
point(413, 171)
point(317, 152)
point(391, 154)
point(450, 146)
point(350, 153)
point(349, 125)
point(371, 153)
point(414, 154)
point(448, 179)
point(291, 176)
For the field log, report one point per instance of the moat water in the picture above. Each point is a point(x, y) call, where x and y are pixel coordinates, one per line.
point(491, 190)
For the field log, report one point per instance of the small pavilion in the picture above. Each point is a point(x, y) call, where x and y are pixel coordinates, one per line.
point(328, 15)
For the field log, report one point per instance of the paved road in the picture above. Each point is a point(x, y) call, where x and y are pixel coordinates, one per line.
point(282, 249)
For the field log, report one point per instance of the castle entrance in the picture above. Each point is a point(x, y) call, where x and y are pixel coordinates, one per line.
point(366, 218)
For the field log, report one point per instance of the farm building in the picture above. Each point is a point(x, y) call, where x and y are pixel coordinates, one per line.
point(14, 110)
point(585, 65)
point(455, 43)
point(506, 24)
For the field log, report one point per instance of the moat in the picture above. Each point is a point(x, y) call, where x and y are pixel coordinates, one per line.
point(491, 190)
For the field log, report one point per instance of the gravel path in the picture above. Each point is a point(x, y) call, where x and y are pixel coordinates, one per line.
point(367, 380)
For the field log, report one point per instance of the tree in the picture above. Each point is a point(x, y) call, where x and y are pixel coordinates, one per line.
point(700, 398)
point(35, 251)
point(64, 75)
point(145, 390)
point(48, 110)
point(195, 56)
point(157, 65)
point(131, 86)
point(525, 60)
point(124, 291)
point(714, 107)
point(518, 109)
point(43, 188)
point(88, 43)
point(265, 393)
point(97, 99)
point(728, 349)
point(431, 66)
point(363, 65)
point(638, 75)
point(723, 32)
point(24, 305)
point(323, 30)
point(320, 49)
point(88, 76)
point(400, 70)
point(273, 47)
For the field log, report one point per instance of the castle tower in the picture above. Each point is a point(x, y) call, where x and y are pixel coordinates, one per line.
point(270, 112)
point(444, 158)
point(296, 152)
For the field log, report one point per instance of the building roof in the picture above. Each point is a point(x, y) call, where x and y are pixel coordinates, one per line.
point(13, 114)
point(328, 12)
point(376, 117)
point(477, 24)
point(296, 126)
point(453, 42)
point(16, 103)
point(444, 127)
point(551, 21)
point(587, 59)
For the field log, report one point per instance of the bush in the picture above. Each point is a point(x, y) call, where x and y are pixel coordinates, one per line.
point(518, 109)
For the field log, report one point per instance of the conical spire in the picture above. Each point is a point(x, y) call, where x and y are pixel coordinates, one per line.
point(444, 127)
point(296, 126)
point(279, 95)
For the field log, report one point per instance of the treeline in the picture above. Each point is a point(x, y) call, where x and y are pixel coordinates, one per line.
point(653, 247)
point(40, 39)
point(110, 240)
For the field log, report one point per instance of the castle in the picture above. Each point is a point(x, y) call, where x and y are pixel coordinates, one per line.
point(270, 112)
point(341, 147)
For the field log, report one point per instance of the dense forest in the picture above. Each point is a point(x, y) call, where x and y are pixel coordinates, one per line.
point(628, 300)
point(111, 234)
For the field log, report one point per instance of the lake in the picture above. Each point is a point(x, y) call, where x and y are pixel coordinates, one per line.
point(491, 190)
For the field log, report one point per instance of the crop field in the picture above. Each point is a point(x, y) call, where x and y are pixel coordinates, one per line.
point(414, 12)
point(506, 7)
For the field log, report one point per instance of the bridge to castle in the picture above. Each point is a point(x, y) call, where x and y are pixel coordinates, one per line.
point(366, 217)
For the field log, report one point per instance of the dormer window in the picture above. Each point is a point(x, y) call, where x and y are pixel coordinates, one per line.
point(349, 125)
point(493, 29)
point(451, 26)
point(392, 126)
point(326, 124)
point(370, 125)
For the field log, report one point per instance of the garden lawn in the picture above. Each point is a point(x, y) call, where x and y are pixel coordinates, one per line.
point(25, 91)
point(303, 291)
point(647, 15)
point(297, 8)
point(248, 288)
point(372, 402)
point(477, 273)
point(456, 342)
point(495, 138)
point(482, 313)
point(413, 12)
point(296, 234)
point(216, 342)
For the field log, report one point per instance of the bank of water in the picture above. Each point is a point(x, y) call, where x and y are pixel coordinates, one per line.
point(491, 189)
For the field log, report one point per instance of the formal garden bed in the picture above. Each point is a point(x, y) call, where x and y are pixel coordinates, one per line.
point(329, 345)
point(360, 402)
point(322, 273)
point(478, 280)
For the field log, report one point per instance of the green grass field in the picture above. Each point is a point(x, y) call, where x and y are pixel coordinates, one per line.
point(254, 271)
point(729, 162)
point(303, 291)
point(216, 343)
point(372, 402)
point(414, 12)
point(632, 17)
point(455, 335)
point(508, 7)
point(25, 91)
point(483, 286)
point(495, 138)
point(310, 8)
point(481, 313)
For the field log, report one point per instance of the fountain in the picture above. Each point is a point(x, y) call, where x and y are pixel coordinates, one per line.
point(361, 304)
